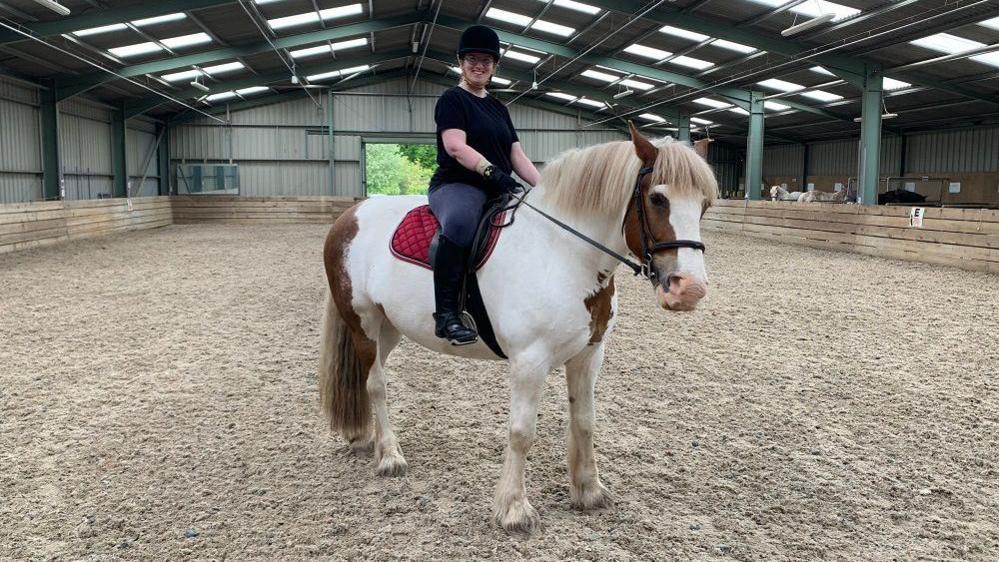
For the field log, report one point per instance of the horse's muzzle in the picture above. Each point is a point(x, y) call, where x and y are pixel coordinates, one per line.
point(684, 292)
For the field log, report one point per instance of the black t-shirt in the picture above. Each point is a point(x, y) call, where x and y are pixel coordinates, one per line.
point(488, 129)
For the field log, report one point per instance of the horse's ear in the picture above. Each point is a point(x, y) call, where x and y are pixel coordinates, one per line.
point(645, 150)
point(701, 147)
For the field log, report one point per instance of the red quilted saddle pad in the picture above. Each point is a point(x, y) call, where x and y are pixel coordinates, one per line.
point(411, 239)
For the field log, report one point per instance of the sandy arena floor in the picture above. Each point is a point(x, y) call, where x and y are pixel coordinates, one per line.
point(158, 401)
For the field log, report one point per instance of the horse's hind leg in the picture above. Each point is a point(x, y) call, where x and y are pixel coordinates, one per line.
point(388, 454)
point(585, 491)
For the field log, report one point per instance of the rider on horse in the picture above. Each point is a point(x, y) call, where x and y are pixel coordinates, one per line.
point(477, 150)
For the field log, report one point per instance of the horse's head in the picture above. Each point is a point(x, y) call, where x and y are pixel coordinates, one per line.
point(675, 196)
point(774, 192)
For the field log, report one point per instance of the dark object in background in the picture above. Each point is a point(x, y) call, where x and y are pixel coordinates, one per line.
point(900, 196)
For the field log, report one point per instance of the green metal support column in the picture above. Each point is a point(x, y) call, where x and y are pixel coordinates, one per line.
point(683, 128)
point(870, 136)
point(163, 161)
point(118, 162)
point(754, 148)
point(52, 187)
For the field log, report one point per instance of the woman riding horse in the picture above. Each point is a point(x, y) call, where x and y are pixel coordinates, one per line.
point(477, 150)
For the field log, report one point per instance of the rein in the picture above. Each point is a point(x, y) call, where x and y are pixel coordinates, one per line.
point(642, 269)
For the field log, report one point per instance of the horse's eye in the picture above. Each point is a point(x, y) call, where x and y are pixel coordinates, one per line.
point(659, 200)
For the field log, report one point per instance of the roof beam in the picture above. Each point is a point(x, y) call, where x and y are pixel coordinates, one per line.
point(137, 11)
point(77, 85)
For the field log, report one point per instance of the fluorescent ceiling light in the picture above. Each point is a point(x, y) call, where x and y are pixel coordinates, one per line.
point(313, 16)
point(600, 76)
point(517, 55)
point(578, 6)
point(101, 29)
point(592, 103)
point(561, 96)
point(670, 30)
point(636, 84)
point(135, 50)
point(822, 95)
point(159, 19)
point(691, 62)
point(821, 70)
point(221, 96)
point(252, 90)
point(649, 52)
point(733, 46)
point(781, 85)
point(712, 103)
point(774, 106)
point(309, 51)
point(700, 121)
point(186, 40)
point(652, 117)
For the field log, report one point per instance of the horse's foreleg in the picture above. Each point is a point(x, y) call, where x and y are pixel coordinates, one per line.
point(388, 454)
point(512, 510)
point(585, 491)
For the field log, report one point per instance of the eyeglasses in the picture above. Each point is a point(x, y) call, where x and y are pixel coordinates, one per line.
point(475, 61)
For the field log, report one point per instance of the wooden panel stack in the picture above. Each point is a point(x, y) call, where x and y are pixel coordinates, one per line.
point(259, 210)
point(29, 225)
point(965, 238)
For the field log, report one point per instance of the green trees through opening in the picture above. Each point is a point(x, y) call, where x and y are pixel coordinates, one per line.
point(399, 169)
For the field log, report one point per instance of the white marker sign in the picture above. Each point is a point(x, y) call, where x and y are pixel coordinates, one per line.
point(916, 217)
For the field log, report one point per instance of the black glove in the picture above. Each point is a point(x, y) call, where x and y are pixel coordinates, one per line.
point(500, 181)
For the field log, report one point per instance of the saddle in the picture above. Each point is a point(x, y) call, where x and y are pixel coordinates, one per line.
point(415, 241)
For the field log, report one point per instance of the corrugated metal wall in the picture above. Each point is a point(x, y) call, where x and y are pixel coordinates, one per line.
point(783, 160)
point(282, 149)
point(85, 149)
point(971, 150)
point(140, 148)
point(20, 144)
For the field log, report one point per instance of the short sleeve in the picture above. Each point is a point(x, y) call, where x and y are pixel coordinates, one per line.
point(509, 123)
point(449, 113)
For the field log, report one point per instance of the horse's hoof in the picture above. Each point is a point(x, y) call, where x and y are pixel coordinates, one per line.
point(362, 446)
point(519, 518)
point(590, 496)
point(392, 465)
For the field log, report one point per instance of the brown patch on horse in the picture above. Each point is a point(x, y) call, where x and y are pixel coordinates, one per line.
point(601, 310)
point(343, 383)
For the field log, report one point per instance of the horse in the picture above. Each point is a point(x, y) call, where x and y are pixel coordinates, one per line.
point(778, 193)
point(822, 197)
point(550, 296)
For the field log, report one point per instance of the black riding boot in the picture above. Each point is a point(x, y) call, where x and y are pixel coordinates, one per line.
point(450, 264)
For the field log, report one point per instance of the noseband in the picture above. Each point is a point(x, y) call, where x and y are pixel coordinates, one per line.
point(649, 244)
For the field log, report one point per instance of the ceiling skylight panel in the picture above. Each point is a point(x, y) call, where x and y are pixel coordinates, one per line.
point(821, 70)
point(308, 52)
point(712, 103)
point(252, 90)
point(636, 84)
point(509, 17)
point(350, 43)
point(733, 46)
point(700, 121)
point(186, 40)
point(678, 32)
point(603, 76)
point(781, 85)
point(947, 43)
point(223, 68)
point(313, 16)
point(652, 117)
point(221, 96)
point(591, 103)
point(892, 84)
point(501, 81)
point(993, 23)
point(840, 11)
point(578, 6)
point(774, 106)
point(101, 29)
point(738, 110)
point(561, 96)
point(135, 50)
point(822, 95)
point(987, 58)
point(324, 76)
point(159, 19)
point(691, 62)
point(517, 55)
point(178, 76)
point(554, 28)
point(649, 52)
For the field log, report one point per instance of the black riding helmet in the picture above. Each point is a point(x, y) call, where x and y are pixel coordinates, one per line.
point(479, 39)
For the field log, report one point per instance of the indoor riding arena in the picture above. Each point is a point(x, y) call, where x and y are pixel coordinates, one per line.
point(170, 170)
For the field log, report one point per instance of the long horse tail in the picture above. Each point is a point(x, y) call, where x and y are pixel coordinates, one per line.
point(343, 390)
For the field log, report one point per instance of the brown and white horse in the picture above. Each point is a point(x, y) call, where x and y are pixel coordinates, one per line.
point(550, 297)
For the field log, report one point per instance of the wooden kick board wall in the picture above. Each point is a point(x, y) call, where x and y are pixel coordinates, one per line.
point(30, 225)
point(965, 238)
point(259, 210)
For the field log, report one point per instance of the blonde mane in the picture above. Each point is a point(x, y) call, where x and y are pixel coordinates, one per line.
point(601, 177)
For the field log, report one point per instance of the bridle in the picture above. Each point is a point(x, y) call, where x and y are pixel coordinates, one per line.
point(649, 244)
